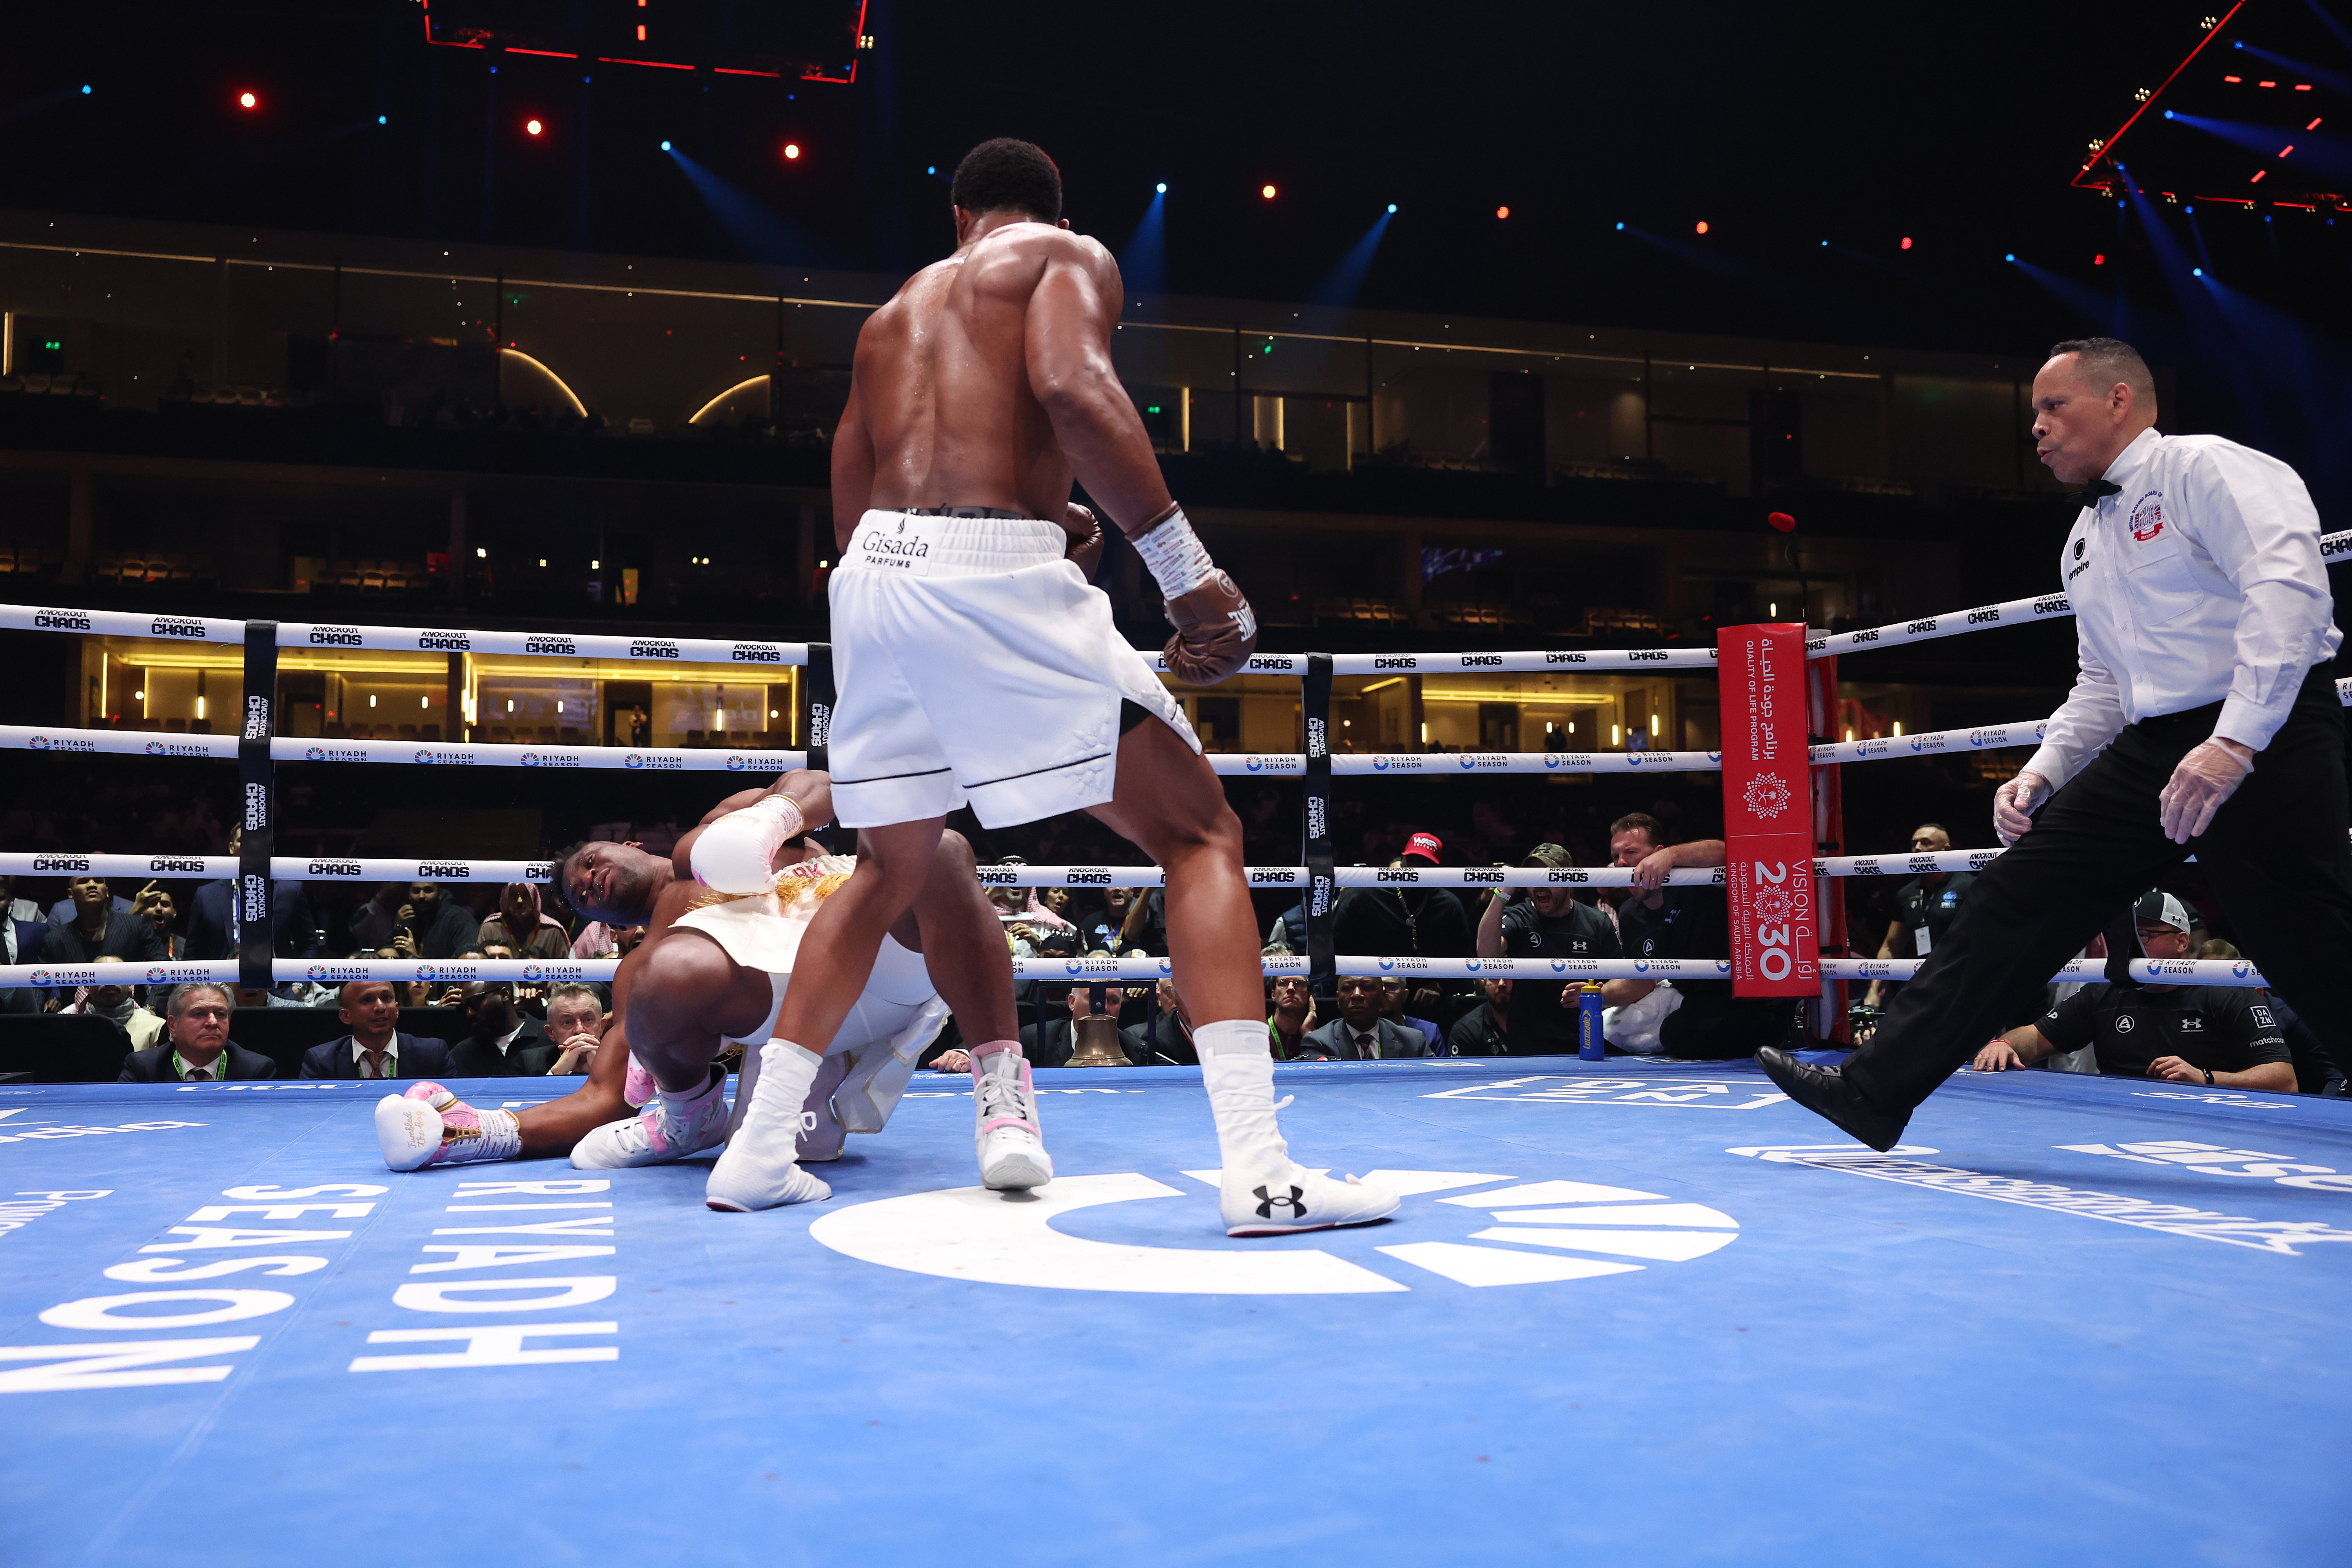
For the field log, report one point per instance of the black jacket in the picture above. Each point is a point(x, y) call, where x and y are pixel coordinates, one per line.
point(529, 1057)
point(130, 937)
point(212, 917)
point(154, 1064)
point(418, 1057)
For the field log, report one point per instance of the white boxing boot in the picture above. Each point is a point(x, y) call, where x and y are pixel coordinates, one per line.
point(822, 1133)
point(1262, 1191)
point(760, 1168)
point(1005, 1133)
point(672, 1127)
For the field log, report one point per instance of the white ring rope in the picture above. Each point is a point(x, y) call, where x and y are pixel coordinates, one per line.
point(409, 640)
point(300, 749)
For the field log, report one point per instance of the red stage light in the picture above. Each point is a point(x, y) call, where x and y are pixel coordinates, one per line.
point(2265, 84)
point(2099, 261)
point(2234, 79)
point(1782, 520)
point(1702, 226)
point(791, 151)
point(2303, 87)
point(2258, 177)
point(2313, 126)
point(1907, 242)
point(246, 99)
point(2286, 150)
point(1502, 212)
point(533, 127)
point(1267, 192)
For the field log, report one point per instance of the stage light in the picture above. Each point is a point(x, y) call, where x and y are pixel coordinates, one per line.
point(85, 90)
point(532, 128)
point(1267, 192)
point(2286, 150)
point(2313, 126)
point(2099, 261)
point(1502, 212)
point(2197, 272)
point(2234, 79)
point(2011, 256)
point(1702, 226)
point(792, 152)
point(1907, 242)
point(665, 146)
point(1620, 228)
point(935, 169)
point(1392, 206)
point(2191, 209)
point(246, 99)
point(2265, 84)
point(1161, 187)
point(383, 119)
point(2167, 114)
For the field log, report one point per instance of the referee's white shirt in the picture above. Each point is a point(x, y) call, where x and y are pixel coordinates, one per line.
point(2200, 581)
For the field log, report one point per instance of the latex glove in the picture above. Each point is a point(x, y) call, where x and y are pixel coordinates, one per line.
point(2014, 804)
point(2206, 777)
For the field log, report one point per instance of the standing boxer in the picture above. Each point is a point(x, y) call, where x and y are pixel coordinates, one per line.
point(977, 664)
point(2208, 636)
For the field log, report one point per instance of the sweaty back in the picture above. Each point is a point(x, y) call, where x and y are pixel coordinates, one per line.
point(943, 381)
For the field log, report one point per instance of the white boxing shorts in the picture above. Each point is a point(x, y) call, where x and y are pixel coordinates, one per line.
point(975, 665)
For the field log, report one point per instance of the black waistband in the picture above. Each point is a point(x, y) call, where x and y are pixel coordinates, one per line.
point(966, 512)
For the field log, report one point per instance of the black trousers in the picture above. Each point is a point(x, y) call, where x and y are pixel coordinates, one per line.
point(2275, 855)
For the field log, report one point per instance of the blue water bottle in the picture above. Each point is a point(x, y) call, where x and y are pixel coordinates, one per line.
point(1589, 1046)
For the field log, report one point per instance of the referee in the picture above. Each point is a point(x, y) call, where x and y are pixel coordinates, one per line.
point(2208, 636)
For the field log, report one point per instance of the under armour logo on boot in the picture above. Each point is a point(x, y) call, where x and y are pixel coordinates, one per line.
point(1267, 1205)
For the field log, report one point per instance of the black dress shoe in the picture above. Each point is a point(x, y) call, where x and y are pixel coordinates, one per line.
point(1825, 1092)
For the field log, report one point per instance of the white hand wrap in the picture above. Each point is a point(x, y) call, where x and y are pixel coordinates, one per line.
point(736, 854)
point(1179, 564)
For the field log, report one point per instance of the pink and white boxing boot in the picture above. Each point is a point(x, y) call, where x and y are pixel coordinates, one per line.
point(431, 1126)
point(672, 1127)
point(1005, 1133)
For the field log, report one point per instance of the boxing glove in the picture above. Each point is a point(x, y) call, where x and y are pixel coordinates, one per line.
point(1085, 546)
point(1217, 632)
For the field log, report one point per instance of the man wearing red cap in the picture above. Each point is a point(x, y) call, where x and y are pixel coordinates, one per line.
point(1401, 920)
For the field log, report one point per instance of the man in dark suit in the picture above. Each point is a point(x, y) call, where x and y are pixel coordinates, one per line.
point(501, 1042)
point(99, 930)
point(213, 922)
point(375, 1047)
point(196, 1048)
point(20, 942)
point(1359, 1032)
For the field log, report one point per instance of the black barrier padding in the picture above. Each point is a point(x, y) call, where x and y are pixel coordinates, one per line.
point(1322, 892)
point(56, 1048)
point(817, 699)
point(258, 807)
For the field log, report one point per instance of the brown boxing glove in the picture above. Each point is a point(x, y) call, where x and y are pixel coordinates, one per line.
point(1217, 632)
point(1085, 546)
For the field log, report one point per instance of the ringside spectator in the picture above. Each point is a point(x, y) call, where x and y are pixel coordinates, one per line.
point(117, 1004)
point(1544, 922)
point(375, 1047)
point(98, 930)
point(524, 924)
point(1360, 1033)
point(154, 905)
point(1925, 907)
point(2209, 1035)
point(1405, 921)
point(1291, 1015)
point(1654, 920)
point(1485, 1030)
point(198, 1049)
point(575, 1026)
point(213, 925)
point(597, 940)
point(501, 1042)
point(21, 938)
point(1392, 1006)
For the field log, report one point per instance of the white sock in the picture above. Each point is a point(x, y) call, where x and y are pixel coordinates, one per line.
point(786, 1071)
point(1237, 1068)
point(1231, 1036)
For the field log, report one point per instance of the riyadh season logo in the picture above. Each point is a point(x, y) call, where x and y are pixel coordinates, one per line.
point(1472, 966)
point(1469, 763)
point(1164, 970)
point(1255, 764)
point(529, 759)
point(153, 748)
point(1633, 759)
point(155, 974)
point(315, 974)
point(734, 764)
point(1560, 966)
point(1074, 967)
point(533, 972)
point(41, 977)
point(1767, 795)
point(632, 761)
point(427, 971)
point(41, 742)
point(314, 754)
point(1380, 765)
point(423, 755)
point(1387, 964)
point(2240, 971)
point(1723, 966)
point(1714, 756)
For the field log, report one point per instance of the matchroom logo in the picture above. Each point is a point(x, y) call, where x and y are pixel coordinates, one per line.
point(1533, 1233)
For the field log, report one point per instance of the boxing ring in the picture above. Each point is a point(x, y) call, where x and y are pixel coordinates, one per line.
point(1629, 1310)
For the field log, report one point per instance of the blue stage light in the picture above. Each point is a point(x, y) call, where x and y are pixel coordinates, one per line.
point(665, 146)
point(2197, 272)
point(1620, 228)
point(932, 170)
point(381, 120)
point(85, 90)
point(2167, 114)
point(2191, 208)
point(1161, 187)
point(1392, 208)
point(2011, 256)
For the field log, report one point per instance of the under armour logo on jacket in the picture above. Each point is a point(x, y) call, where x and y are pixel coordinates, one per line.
point(1267, 1205)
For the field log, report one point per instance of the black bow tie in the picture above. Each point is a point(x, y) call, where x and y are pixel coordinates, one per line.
point(2093, 492)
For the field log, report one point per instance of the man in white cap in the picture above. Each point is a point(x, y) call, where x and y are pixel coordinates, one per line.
point(2214, 1037)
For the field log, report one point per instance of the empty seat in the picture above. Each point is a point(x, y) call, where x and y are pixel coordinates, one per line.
point(547, 734)
point(428, 731)
point(500, 734)
point(176, 726)
point(405, 732)
point(363, 731)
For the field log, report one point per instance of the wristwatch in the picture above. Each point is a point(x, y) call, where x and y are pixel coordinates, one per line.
point(2209, 1076)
